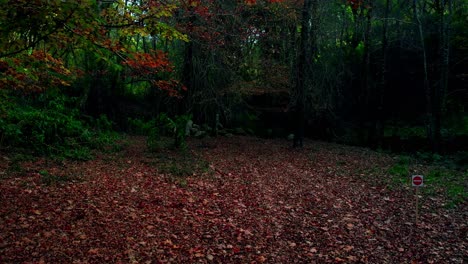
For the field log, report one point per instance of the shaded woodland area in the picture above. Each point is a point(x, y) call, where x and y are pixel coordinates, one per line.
point(379, 73)
point(237, 131)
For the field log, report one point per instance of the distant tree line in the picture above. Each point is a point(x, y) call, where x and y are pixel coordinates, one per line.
point(369, 72)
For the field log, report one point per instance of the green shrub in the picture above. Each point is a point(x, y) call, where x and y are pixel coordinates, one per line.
point(139, 127)
point(154, 137)
point(403, 131)
point(398, 170)
point(179, 130)
point(48, 126)
point(103, 139)
point(429, 156)
point(451, 181)
point(81, 153)
point(161, 126)
point(102, 123)
point(40, 129)
point(401, 168)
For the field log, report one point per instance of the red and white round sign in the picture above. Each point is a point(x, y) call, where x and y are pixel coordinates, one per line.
point(417, 180)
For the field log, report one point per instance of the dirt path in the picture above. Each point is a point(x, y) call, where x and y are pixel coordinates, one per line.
point(259, 202)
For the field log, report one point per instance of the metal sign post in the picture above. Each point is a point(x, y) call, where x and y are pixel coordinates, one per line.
point(417, 181)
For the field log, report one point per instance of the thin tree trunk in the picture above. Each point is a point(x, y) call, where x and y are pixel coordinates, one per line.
point(441, 89)
point(365, 74)
point(427, 87)
point(302, 65)
point(187, 76)
point(380, 120)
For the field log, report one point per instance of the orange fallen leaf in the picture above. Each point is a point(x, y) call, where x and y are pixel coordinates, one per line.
point(93, 251)
point(348, 248)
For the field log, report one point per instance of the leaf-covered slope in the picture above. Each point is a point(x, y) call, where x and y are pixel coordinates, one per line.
point(260, 202)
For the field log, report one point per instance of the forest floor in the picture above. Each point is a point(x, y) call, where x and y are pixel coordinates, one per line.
point(227, 200)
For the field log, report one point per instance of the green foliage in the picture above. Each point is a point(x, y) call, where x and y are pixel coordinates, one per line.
point(429, 156)
point(153, 140)
point(157, 128)
point(248, 121)
point(161, 126)
point(400, 170)
point(360, 49)
point(50, 127)
point(102, 123)
point(80, 153)
point(440, 179)
point(41, 129)
point(451, 182)
point(457, 125)
point(139, 127)
point(165, 124)
point(456, 161)
point(179, 130)
point(405, 132)
point(4, 104)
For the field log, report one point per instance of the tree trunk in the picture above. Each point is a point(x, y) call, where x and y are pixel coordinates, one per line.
point(368, 111)
point(380, 119)
point(443, 66)
point(187, 77)
point(439, 90)
point(302, 66)
point(427, 86)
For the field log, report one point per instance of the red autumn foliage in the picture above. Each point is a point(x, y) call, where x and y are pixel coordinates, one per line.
point(355, 4)
point(149, 66)
point(153, 62)
point(35, 73)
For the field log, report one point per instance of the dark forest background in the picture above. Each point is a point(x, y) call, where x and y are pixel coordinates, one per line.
point(387, 74)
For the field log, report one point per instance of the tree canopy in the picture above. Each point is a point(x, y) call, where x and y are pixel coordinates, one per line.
point(370, 71)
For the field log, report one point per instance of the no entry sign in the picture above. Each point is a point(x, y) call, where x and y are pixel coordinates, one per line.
point(417, 180)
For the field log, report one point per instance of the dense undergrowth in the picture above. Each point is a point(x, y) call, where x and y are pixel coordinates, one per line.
point(52, 126)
